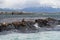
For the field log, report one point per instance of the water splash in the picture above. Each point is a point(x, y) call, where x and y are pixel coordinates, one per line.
point(36, 25)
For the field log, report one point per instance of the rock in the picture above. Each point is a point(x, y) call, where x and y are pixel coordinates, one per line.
point(50, 19)
point(41, 22)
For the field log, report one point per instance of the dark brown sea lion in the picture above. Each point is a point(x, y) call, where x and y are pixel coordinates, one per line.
point(4, 25)
point(16, 24)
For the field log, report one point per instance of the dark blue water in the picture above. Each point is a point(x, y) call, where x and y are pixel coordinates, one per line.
point(30, 16)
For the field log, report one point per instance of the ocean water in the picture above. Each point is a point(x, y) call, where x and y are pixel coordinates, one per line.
point(47, 35)
point(42, 35)
point(5, 18)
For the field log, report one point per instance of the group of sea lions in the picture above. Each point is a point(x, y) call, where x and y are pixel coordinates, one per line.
point(27, 25)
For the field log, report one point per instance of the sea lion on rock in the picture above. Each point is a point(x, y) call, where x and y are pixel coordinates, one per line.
point(3, 26)
point(42, 22)
point(45, 22)
point(16, 24)
point(23, 22)
point(51, 21)
point(20, 25)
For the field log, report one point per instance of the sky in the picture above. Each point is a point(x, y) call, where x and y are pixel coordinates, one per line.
point(29, 3)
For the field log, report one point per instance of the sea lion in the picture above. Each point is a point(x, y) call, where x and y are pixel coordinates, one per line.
point(42, 22)
point(16, 24)
point(4, 25)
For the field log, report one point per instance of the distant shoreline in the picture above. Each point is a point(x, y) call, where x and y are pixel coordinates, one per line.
point(27, 13)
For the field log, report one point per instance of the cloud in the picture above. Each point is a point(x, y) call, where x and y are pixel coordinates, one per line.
point(12, 3)
point(50, 3)
point(29, 3)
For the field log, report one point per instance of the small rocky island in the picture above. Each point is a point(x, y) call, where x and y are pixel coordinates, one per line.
point(29, 25)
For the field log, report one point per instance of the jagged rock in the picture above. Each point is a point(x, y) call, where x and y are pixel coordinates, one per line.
point(24, 26)
point(51, 21)
point(42, 22)
point(30, 24)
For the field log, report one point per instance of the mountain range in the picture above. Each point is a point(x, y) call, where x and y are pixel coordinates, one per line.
point(33, 9)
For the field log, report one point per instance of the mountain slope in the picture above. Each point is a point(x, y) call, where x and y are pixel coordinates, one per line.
point(41, 9)
point(33, 9)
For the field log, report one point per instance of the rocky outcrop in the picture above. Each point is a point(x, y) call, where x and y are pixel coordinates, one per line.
point(42, 22)
point(27, 25)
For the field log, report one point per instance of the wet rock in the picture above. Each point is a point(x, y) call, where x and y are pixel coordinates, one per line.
point(58, 22)
point(31, 26)
point(25, 26)
point(51, 21)
point(42, 22)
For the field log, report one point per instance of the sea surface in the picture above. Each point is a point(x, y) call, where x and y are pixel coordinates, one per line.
point(42, 35)
point(47, 35)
